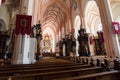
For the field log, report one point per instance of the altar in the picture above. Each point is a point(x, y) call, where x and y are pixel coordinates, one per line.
point(47, 45)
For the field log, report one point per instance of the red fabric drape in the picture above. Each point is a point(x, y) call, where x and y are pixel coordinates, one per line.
point(91, 40)
point(3, 1)
point(102, 37)
point(23, 24)
point(116, 27)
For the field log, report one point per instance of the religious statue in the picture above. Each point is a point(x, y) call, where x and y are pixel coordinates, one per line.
point(34, 31)
point(67, 47)
point(83, 43)
point(72, 43)
point(61, 47)
point(99, 44)
point(63, 44)
point(37, 34)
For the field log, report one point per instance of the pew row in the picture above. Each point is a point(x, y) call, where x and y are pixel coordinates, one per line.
point(34, 67)
point(41, 70)
point(54, 74)
point(110, 75)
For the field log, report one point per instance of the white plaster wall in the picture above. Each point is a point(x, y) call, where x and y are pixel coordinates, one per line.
point(53, 44)
point(32, 52)
point(4, 14)
point(35, 12)
point(116, 12)
point(26, 49)
point(83, 5)
point(0, 2)
point(30, 9)
point(115, 6)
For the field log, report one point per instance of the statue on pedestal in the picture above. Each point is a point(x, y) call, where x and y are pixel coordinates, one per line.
point(67, 47)
point(36, 33)
point(61, 47)
point(99, 44)
point(83, 43)
point(72, 44)
point(64, 49)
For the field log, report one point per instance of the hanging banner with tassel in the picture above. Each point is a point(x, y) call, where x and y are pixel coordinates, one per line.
point(3, 1)
point(91, 40)
point(116, 27)
point(102, 37)
point(23, 24)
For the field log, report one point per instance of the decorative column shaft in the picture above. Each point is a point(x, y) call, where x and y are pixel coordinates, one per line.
point(24, 45)
point(109, 36)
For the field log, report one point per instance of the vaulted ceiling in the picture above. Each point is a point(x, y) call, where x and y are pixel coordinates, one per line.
point(54, 14)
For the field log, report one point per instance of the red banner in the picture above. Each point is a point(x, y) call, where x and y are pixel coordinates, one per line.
point(91, 40)
point(102, 37)
point(23, 24)
point(116, 27)
point(3, 1)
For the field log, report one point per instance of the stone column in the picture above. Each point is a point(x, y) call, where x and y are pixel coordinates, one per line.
point(61, 33)
point(59, 36)
point(64, 31)
point(23, 52)
point(111, 45)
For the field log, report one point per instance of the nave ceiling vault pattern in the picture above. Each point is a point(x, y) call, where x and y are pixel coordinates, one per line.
point(55, 14)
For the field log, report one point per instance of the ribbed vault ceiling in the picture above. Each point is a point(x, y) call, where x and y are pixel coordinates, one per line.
point(54, 16)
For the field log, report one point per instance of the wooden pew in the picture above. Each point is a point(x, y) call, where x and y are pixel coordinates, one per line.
point(98, 60)
point(109, 75)
point(41, 70)
point(34, 67)
point(56, 74)
point(117, 64)
point(30, 65)
point(5, 78)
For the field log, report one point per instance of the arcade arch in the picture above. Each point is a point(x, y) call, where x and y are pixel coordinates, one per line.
point(92, 21)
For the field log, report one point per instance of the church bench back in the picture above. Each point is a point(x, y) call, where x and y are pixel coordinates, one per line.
point(101, 59)
point(111, 75)
point(33, 67)
point(56, 74)
point(40, 70)
point(30, 65)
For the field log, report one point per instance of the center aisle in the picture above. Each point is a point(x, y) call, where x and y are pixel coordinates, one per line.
point(52, 60)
